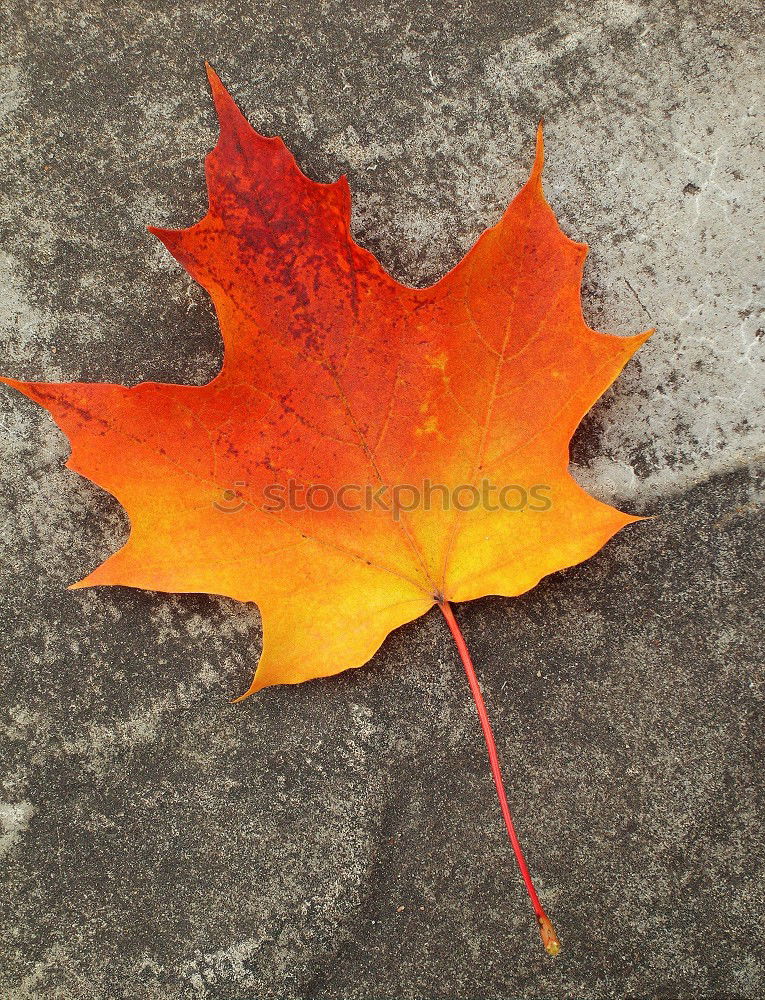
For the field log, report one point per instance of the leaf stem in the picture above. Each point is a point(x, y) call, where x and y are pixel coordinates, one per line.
point(546, 929)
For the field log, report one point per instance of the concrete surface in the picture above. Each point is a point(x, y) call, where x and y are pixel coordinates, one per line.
point(340, 841)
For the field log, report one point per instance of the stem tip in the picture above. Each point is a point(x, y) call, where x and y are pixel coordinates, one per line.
point(548, 935)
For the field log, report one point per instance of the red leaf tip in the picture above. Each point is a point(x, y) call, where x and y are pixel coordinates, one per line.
point(213, 78)
point(539, 158)
point(226, 107)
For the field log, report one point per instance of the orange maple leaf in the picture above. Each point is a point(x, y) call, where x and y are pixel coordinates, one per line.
point(297, 478)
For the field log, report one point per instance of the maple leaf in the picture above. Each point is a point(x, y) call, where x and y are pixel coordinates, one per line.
point(337, 379)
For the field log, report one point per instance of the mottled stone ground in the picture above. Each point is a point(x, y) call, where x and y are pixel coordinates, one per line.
point(340, 841)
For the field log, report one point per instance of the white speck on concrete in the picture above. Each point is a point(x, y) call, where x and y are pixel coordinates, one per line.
point(14, 820)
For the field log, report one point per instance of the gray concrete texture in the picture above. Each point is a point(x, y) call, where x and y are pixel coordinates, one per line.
point(340, 840)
